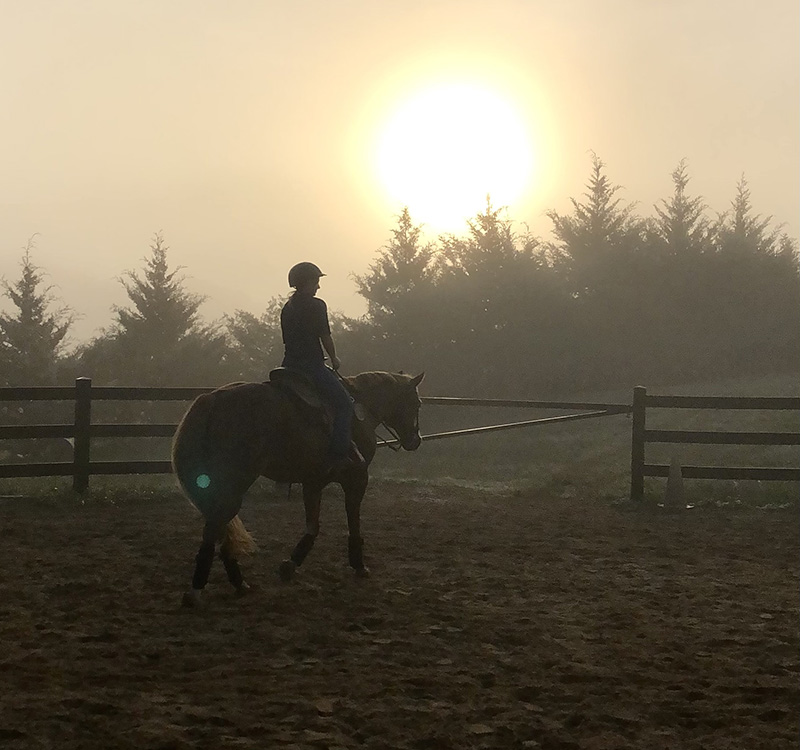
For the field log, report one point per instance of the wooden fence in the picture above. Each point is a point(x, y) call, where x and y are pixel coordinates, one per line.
point(82, 430)
point(641, 435)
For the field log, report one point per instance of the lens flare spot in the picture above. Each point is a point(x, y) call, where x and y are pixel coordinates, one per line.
point(203, 481)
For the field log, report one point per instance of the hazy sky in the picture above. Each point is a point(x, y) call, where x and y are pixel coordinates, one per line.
point(253, 133)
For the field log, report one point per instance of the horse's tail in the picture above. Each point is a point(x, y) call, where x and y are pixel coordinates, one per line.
point(237, 540)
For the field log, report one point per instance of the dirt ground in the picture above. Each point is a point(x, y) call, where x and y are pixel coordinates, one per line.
point(489, 621)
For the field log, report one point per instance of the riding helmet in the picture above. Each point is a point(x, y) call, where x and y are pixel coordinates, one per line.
point(302, 273)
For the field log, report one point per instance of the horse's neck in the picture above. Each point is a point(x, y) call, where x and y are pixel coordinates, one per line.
point(377, 400)
point(376, 410)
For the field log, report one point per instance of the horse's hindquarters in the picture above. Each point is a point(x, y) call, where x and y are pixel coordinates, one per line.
point(223, 442)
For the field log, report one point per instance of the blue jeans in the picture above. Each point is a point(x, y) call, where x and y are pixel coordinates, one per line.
point(332, 390)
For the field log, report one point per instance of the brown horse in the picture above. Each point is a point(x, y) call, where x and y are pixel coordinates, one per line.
point(239, 432)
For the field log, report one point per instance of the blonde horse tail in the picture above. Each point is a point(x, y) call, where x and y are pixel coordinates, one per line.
point(237, 541)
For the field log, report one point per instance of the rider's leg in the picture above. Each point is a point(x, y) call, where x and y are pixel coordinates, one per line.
point(334, 391)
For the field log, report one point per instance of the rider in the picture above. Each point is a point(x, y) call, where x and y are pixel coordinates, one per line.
point(306, 331)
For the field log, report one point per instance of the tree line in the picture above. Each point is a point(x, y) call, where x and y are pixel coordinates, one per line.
point(614, 298)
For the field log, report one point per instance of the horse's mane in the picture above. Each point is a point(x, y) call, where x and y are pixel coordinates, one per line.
point(368, 380)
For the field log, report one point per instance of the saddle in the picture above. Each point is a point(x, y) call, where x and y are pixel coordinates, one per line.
point(299, 386)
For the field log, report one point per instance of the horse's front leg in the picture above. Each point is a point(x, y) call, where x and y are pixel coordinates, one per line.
point(354, 486)
point(312, 497)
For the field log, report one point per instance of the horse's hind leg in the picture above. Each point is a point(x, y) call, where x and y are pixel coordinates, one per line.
point(354, 488)
point(231, 563)
point(312, 497)
point(203, 562)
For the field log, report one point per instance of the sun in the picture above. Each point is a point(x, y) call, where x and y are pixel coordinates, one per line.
point(446, 147)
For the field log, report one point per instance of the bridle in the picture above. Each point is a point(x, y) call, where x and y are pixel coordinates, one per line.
point(382, 423)
point(393, 433)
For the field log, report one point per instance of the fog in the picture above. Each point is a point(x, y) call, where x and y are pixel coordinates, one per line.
point(243, 132)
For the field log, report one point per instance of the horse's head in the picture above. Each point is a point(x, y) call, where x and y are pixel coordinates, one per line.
point(404, 415)
point(392, 399)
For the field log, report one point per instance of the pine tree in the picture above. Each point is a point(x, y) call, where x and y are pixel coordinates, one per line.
point(257, 341)
point(758, 286)
point(599, 237)
point(491, 275)
point(599, 253)
point(505, 304)
point(491, 248)
point(740, 232)
point(163, 311)
point(681, 225)
point(159, 339)
point(32, 339)
point(402, 266)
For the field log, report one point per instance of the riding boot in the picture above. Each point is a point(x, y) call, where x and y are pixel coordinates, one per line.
point(355, 455)
point(337, 464)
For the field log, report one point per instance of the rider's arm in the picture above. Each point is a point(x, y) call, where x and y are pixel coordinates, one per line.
point(330, 348)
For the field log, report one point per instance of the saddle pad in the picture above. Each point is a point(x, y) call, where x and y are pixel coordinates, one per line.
point(297, 383)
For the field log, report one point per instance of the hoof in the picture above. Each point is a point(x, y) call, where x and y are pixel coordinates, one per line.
point(362, 572)
point(286, 570)
point(191, 598)
point(244, 589)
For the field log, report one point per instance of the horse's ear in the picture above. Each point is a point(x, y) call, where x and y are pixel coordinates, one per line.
point(417, 380)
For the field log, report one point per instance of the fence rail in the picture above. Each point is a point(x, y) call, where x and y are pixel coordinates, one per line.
point(82, 430)
point(640, 436)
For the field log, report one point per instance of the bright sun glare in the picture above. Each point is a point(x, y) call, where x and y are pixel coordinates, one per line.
point(442, 151)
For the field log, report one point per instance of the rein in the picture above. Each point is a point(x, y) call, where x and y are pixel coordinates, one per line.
point(390, 430)
point(395, 448)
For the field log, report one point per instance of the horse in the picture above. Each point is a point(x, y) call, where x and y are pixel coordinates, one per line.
point(238, 432)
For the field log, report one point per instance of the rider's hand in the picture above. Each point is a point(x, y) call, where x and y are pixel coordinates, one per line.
point(335, 363)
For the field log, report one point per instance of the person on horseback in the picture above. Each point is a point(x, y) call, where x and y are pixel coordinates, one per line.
point(306, 332)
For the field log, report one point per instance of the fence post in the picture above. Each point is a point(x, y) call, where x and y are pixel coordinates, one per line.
point(637, 443)
point(83, 420)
